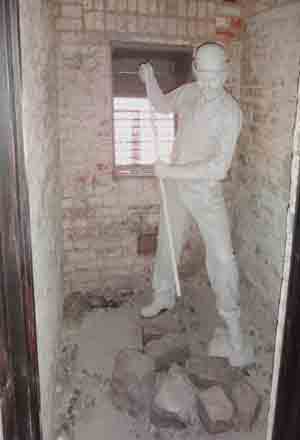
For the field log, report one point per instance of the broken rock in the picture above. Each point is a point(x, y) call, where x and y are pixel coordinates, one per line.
point(247, 403)
point(175, 402)
point(171, 348)
point(133, 381)
point(163, 324)
point(208, 371)
point(216, 410)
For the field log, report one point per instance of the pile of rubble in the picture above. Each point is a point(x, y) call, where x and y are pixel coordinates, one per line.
point(168, 388)
point(79, 303)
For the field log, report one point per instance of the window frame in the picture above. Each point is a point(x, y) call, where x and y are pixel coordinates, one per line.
point(146, 171)
point(138, 170)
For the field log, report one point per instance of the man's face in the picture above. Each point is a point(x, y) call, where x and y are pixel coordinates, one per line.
point(209, 81)
point(209, 68)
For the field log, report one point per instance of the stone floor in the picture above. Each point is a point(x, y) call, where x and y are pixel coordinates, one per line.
point(95, 330)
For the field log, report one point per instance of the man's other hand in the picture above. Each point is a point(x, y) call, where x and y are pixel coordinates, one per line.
point(146, 72)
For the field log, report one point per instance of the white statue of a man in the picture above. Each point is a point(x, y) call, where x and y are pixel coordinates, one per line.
point(209, 124)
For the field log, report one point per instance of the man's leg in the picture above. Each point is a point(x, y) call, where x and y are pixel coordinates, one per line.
point(163, 277)
point(207, 206)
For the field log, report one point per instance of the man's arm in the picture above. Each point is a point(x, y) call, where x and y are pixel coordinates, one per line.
point(215, 169)
point(163, 103)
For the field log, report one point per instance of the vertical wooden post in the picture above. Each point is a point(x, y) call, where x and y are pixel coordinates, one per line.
point(285, 399)
point(19, 379)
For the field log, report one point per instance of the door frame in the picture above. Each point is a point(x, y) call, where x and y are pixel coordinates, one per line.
point(19, 376)
point(284, 420)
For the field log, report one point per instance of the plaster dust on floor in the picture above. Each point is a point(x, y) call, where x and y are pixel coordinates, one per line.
point(94, 332)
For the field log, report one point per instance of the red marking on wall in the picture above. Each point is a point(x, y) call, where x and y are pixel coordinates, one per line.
point(94, 180)
point(100, 166)
point(83, 179)
point(188, 246)
point(228, 29)
point(236, 23)
point(225, 37)
point(104, 168)
point(70, 236)
point(147, 244)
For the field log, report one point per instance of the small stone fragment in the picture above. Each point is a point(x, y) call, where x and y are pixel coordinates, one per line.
point(208, 371)
point(165, 323)
point(133, 381)
point(75, 306)
point(247, 403)
point(216, 411)
point(171, 348)
point(175, 402)
point(58, 388)
point(150, 334)
point(63, 436)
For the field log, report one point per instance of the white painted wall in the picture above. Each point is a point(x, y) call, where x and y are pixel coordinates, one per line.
point(42, 161)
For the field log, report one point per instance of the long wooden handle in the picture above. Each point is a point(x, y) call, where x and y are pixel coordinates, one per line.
point(166, 215)
point(170, 236)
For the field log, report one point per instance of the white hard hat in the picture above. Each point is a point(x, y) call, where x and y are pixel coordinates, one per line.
point(210, 57)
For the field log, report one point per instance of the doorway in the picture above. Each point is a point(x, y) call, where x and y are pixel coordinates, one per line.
point(92, 312)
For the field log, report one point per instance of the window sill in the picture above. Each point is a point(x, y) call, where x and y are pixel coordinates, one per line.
point(133, 171)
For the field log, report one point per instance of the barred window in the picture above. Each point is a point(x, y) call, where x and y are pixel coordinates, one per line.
point(133, 115)
point(135, 149)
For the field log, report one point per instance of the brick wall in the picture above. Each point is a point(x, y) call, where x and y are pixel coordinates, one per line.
point(102, 216)
point(269, 75)
point(253, 7)
point(42, 161)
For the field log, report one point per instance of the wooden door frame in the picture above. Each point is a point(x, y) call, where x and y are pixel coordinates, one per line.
point(287, 414)
point(19, 378)
point(286, 423)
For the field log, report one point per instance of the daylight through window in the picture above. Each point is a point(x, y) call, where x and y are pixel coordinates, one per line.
point(134, 137)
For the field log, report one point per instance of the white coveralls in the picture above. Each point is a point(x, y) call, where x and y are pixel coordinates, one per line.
point(206, 138)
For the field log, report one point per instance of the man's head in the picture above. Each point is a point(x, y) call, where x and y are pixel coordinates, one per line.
point(209, 66)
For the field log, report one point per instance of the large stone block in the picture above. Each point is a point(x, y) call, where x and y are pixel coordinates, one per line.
point(207, 371)
point(168, 349)
point(216, 410)
point(133, 382)
point(169, 322)
point(175, 400)
point(247, 402)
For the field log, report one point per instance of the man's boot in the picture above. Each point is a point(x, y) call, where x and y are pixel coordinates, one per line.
point(242, 352)
point(229, 343)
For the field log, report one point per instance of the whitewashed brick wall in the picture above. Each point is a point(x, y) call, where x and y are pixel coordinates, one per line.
point(253, 7)
point(269, 75)
point(38, 42)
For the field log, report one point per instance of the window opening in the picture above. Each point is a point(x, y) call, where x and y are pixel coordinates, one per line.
point(134, 148)
point(133, 134)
